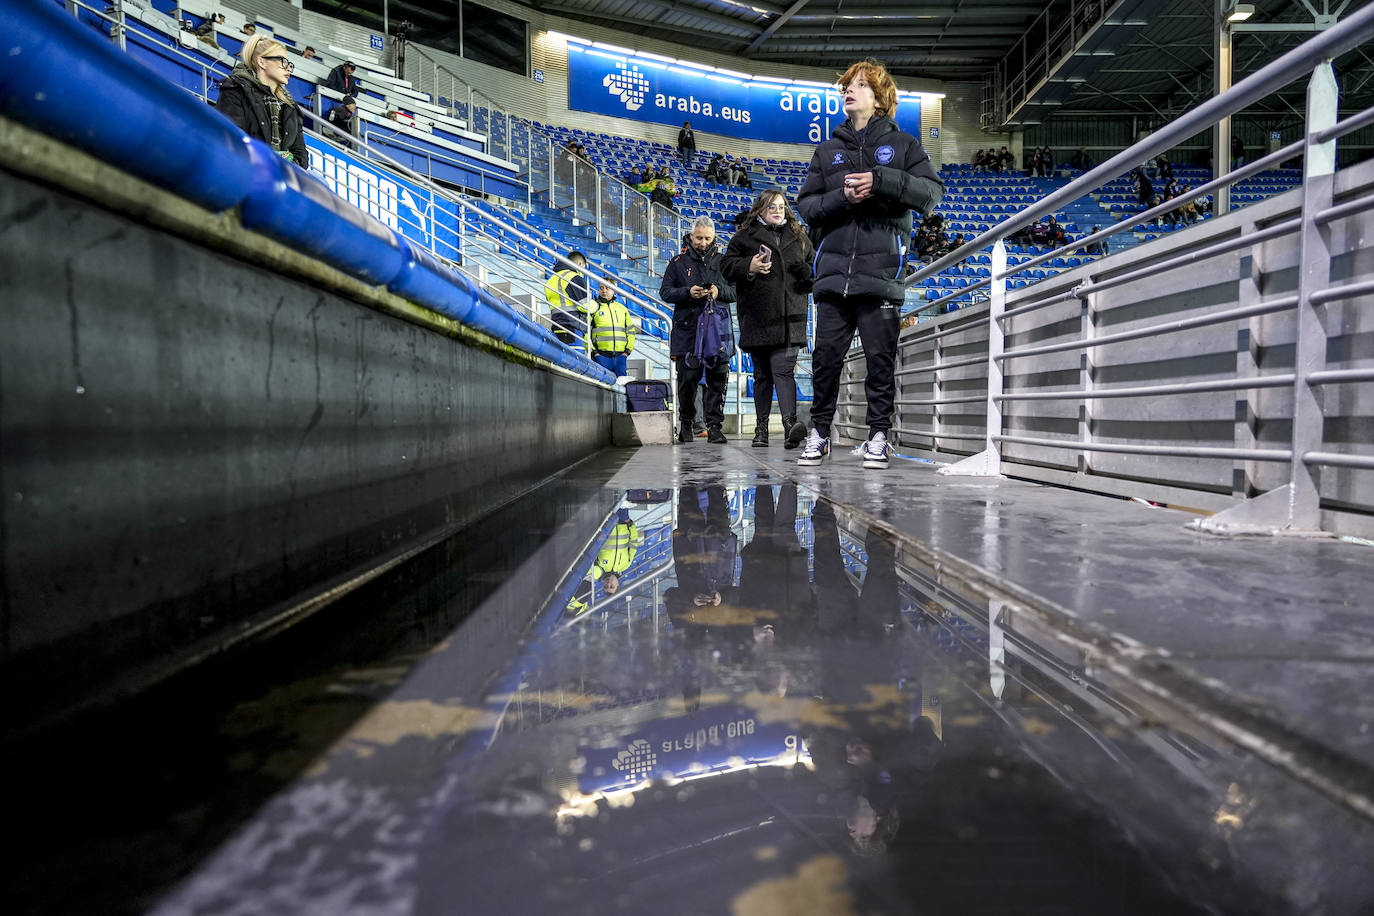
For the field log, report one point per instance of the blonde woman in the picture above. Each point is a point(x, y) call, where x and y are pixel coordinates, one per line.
point(254, 97)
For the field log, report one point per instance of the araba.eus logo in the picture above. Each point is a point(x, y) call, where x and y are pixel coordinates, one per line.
point(628, 84)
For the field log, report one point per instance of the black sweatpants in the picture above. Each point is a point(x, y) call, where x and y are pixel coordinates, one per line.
point(774, 369)
point(876, 320)
point(717, 378)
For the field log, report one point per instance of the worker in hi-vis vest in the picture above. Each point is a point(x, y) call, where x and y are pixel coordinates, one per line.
point(613, 332)
point(566, 293)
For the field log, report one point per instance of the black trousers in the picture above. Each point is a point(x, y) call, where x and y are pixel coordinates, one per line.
point(774, 371)
point(876, 320)
point(717, 377)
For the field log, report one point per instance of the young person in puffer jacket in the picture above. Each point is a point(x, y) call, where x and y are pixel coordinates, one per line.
point(858, 196)
point(770, 296)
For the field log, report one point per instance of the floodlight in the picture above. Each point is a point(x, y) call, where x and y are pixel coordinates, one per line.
point(1239, 12)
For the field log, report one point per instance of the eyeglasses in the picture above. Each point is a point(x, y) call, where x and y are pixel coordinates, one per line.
point(283, 60)
point(781, 208)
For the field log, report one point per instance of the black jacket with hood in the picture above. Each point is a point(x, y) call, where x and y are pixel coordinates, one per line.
point(686, 270)
point(861, 246)
point(772, 307)
point(246, 101)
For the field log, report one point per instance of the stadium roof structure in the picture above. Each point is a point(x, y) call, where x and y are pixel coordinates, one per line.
point(1038, 58)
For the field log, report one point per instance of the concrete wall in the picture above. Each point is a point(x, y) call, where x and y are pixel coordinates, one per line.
point(191, 443)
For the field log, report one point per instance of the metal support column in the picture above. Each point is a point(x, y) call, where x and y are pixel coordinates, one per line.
point(1221, 71)
point(1087, 372)
point(988, 462)
point(1295, 508)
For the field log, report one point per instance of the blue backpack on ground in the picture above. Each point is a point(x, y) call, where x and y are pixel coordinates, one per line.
point(714, 341)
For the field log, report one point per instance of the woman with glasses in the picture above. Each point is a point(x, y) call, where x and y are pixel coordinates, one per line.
point(254, 97)
point(769, 262)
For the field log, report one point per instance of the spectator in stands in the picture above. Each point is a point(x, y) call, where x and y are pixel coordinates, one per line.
point(1054, 234)
point(769, 262)
point(1150, 204)
point(249, 28)
point(1187, 213)
point(1081, 160)
point(612, 331)
point(686, 143)
point(739, 174)
point(1044, 162)
point(1144, 189)
point(394, 115)
point(1005, 160)
point(1166, 170)
point(1098, 247)
point(344, 116)
point(254, 97)
point(715, 170)
point(1203, 204)
point(308, 53)
point(1237, 151)
point(980, 162)
point(860, 189)
point(206, 30)
point(341, 79)
point(662, 194)
point(566, 294)
point(690, 280)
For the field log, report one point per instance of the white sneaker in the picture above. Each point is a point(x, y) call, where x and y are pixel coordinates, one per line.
point(876, 452)
point(815, 450)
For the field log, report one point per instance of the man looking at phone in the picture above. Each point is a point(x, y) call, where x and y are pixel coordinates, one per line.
point(692, 279)
point(769, 261)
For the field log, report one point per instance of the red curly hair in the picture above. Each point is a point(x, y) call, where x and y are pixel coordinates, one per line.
point(879, 80)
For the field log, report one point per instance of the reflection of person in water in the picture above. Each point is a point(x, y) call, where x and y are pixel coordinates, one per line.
point(617, 553)
point(700, 605)
point(774, 587)
point(868, 741)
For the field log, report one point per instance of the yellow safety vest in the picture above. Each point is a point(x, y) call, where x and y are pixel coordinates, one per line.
point(556, 293)
point(613, 328)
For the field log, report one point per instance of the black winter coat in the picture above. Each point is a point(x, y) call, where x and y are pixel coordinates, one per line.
point(246, 103)
point(861, 246)
point(771, 306)
point(685, 271)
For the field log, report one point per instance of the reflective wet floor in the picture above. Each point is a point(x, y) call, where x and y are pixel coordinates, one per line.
point(681, 681)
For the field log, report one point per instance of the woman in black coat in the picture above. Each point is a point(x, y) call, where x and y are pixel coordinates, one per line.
point(769, 263)
point(254, 97)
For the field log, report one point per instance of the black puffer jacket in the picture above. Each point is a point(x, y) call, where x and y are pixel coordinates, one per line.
point(689, 269)
point(861, 246)
point(772, 306)
point(247, 102)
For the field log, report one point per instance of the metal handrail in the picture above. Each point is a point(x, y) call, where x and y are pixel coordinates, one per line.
point(1336, 40)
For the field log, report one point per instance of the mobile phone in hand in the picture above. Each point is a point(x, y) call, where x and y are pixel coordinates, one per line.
point(766, 254)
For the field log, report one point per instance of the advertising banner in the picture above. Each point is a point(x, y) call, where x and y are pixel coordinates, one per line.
point(752, 109)
point(408, 208)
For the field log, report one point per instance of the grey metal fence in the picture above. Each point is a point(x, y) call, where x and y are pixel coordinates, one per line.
point(1224, 368)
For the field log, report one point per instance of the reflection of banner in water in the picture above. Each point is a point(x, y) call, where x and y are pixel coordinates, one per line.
point(399, 204)
point(715, 740)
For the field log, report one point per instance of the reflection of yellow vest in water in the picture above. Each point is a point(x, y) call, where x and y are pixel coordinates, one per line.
point(619, 550)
